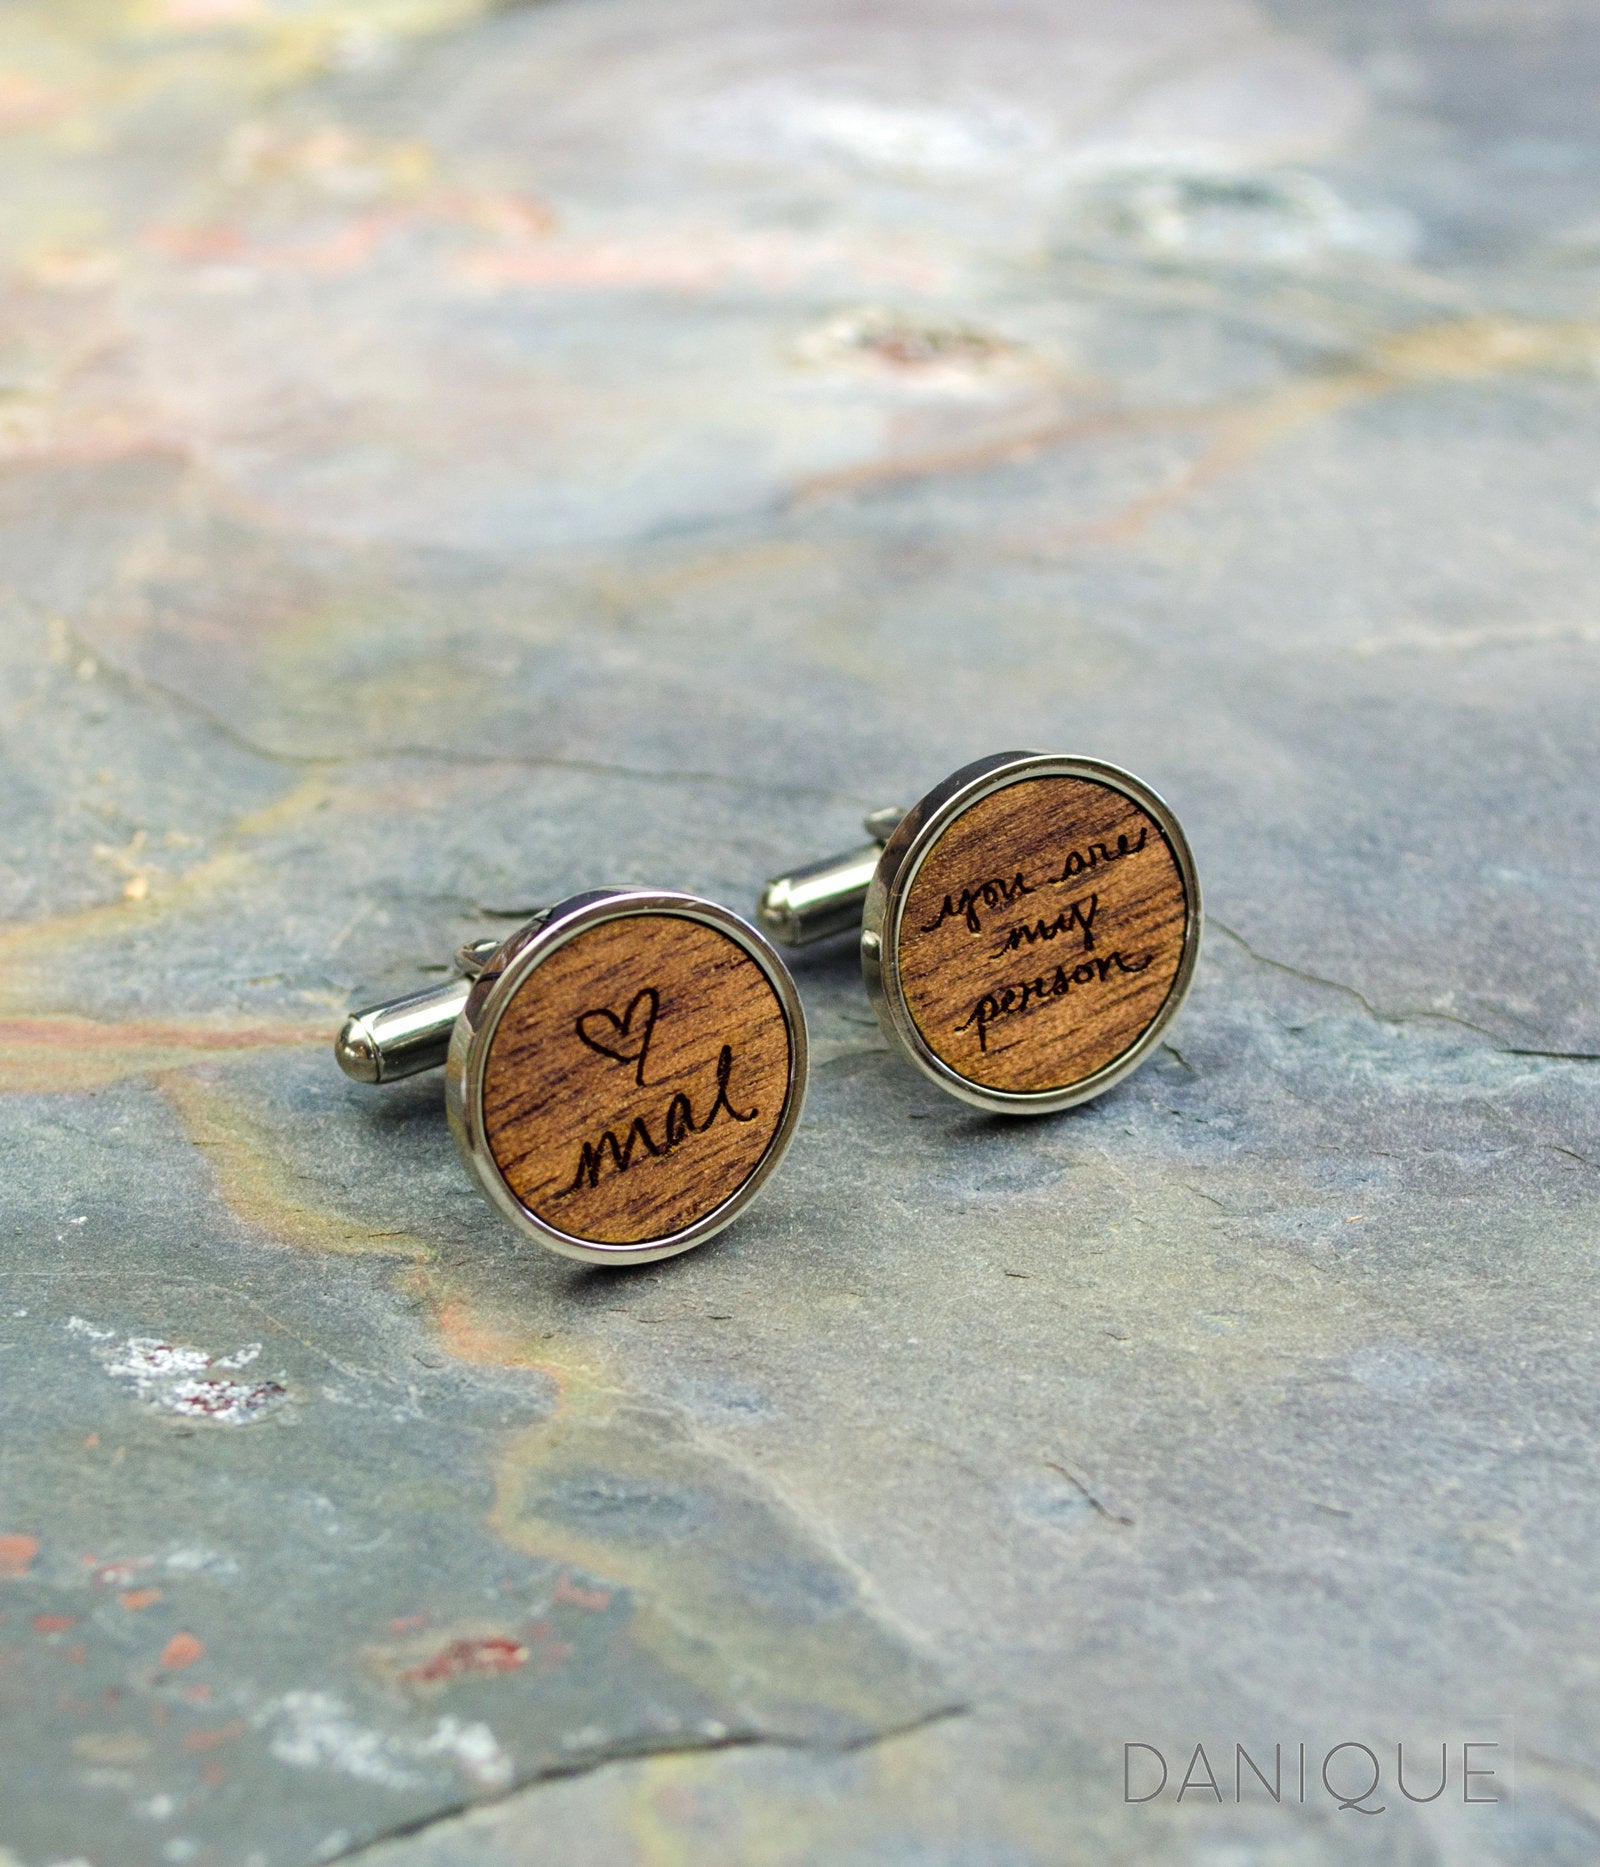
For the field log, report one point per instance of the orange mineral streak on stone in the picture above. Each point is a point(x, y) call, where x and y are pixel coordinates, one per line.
point(16, 1556)
point(471, 1338)
point(255, 1173)
point(1446, 350)
point(209, 1740)
point(1228, 436)
point(1007, 441)
point(488, 1654)
point(693, 262)
point(46, 1048)
point(53, 1623)
point(28, 104)
point(574, 1595)
point(138, 1598)
point(180, 1651)
point(514, 221)
point(32, 953)
point(349, 246)
point(486, 1341)
point(430, 1663)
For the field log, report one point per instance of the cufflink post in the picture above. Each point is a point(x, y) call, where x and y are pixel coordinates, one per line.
point(409, 1035)
point(826, 897)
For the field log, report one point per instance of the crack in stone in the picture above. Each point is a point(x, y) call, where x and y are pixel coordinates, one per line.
point(1399, 1018)
point(1088, 1496)
point(625, 1752)
point(143, 687)
point(1555, 1147)
point(1198, 1194)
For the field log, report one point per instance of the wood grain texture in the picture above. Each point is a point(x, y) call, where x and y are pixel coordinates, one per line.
point(1042, 934)
point(636, 1079)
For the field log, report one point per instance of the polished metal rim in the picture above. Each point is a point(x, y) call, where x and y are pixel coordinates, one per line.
point(908, 848)
point(504, 975)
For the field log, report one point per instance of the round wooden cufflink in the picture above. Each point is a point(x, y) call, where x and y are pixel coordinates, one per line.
point(1028, 930)
point(621, 1075)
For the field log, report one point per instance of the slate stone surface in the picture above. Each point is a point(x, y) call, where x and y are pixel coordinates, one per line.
point(457, 455)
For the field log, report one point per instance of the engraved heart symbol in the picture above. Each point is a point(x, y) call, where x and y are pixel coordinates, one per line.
point(625, 1039)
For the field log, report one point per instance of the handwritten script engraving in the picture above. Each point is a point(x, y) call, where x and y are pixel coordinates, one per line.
point(997, 893)
point(637, 1078)
point(604, 1031)
point(1010, 1000)
point(1080, 861)
point(1051, 867)
point(991, 894)
point(677, 1126)
point(1079, 914)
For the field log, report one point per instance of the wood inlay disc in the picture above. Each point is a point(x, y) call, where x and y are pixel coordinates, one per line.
point(1042, 934)
point(636, 1079)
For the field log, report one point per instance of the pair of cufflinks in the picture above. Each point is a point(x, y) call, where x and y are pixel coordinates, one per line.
point(625, 1071)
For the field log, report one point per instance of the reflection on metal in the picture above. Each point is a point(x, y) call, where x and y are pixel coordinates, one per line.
point(826, 897)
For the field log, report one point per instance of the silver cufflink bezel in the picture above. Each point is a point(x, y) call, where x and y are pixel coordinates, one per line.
point(908, 846)
point(455, 1025)
point(503, 977)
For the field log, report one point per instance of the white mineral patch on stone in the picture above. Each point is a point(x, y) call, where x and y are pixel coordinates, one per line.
point(316, 1730)
point(200, 1561)
point(779, 119)
point(475, 1749)
point(179, 1378)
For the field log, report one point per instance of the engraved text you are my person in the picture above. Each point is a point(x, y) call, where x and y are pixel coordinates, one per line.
point(1019, 996)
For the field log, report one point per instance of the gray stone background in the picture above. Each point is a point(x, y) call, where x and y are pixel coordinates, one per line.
point(458, 455)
